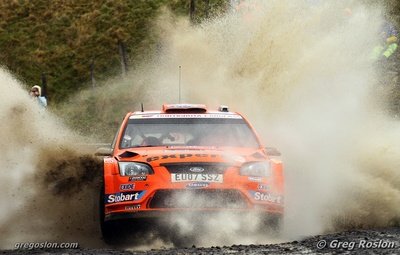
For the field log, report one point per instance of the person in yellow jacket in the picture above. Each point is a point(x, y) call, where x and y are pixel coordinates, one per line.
point(389, 42)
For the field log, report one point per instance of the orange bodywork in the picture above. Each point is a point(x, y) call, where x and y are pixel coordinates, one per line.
point(190, 178)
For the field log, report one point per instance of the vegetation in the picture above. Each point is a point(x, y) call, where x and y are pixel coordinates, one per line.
point(65, 39)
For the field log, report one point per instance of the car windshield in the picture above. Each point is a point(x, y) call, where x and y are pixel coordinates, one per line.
point(219, 132)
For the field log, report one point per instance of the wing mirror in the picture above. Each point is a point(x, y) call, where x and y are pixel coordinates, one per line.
point(272, 151)
point(104, 151)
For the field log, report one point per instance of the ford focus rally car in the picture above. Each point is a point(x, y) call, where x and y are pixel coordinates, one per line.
point(187, 158)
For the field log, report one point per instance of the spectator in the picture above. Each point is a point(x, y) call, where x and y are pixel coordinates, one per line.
point(36, 93)
point(388, 44)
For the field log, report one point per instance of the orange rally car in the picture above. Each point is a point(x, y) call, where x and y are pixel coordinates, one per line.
point(187, 158)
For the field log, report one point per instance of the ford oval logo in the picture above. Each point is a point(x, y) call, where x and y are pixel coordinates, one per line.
point(196, 169)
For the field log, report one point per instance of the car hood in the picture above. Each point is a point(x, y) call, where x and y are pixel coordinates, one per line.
point(156, 156)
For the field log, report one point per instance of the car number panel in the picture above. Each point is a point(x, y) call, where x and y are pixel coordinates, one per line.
point(190, 177)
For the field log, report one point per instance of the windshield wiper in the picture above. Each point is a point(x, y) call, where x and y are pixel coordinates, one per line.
point(141, 146)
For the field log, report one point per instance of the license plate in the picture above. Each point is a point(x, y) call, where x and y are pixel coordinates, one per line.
point(184, 177)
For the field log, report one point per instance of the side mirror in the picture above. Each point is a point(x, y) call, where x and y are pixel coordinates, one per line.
point(104, 151)
point(272, 151)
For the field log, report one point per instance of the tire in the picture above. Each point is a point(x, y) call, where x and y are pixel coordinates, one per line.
point(274, 224)
point(119, 233)
point(108, 228)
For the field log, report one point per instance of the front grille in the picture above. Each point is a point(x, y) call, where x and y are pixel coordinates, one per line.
point(200, 167)
point(204, 198)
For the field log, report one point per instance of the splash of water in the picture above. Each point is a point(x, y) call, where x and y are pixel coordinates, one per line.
point(44, 175)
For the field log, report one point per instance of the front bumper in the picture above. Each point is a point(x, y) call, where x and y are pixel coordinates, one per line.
point(158, 194)
point(165, 201)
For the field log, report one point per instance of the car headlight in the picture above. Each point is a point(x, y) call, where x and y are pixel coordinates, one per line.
point(134, 169)
point(260, 169)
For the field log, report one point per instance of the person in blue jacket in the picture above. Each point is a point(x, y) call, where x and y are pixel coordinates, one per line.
point(36, 93)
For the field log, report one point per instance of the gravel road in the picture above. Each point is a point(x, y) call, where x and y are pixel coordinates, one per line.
point(380, 241)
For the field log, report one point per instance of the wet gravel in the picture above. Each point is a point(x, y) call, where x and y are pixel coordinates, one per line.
point(382, 241)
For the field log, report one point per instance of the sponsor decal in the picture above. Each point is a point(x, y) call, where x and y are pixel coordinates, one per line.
point(196, 169)
point(122, 197)
point(255, 179)
point(138, 178)
point(266, 197)
point(184, 177)
point(187, 116)
point(183, 106)
point(197, 185)
point(263, 187)
point(181, 156)
point(127, 186)
point(132, 207)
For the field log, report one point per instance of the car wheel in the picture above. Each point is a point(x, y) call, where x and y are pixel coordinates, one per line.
point(273, 224)
point(108, 228)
